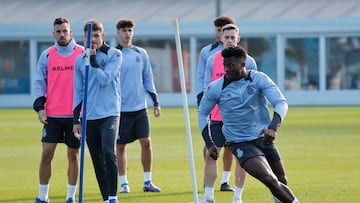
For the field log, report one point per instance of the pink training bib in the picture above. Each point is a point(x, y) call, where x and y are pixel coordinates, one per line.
point(218, 71)
point(60, 82)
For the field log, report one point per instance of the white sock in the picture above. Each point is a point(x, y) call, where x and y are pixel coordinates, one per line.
point(44, 192)
point(147, 176)
point(225, 177)
point(106, 201)
point(238, 192)
point(123, 179)
point(71, 192)
point(295, 201)
point(209, 192)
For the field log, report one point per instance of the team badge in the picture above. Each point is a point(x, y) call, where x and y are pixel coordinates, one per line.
point(249, 90)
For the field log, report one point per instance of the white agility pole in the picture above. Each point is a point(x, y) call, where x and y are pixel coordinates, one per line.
point(83, 127)
point(186, 108)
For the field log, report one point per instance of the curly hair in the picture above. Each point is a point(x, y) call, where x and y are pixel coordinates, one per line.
point(234, 51)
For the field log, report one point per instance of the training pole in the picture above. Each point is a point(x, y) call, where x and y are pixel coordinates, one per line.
point(186, 108)
point(83, 127)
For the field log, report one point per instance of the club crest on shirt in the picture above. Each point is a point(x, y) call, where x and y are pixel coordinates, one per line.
point(137, 59)
point(249, 90)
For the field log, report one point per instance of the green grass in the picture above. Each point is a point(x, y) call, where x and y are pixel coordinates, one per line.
point(319, 146)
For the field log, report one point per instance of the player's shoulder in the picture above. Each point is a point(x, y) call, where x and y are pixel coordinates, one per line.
point(259, 76)
point(79, 46)
point(210, 47)
point(216, 84)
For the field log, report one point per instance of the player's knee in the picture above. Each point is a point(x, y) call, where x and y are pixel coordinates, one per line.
point(283, 179)
point(145, 142)
point(270, 181)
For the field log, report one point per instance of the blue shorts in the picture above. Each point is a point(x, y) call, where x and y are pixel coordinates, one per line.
point(246, 150)
point(60, 130)
point(133, 126)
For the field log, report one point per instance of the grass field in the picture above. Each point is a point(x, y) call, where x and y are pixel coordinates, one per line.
point(319, 146)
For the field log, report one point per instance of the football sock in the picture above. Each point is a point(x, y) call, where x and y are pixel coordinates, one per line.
point(71, 191)
point(238, 192)
point(44, 192)
point(225, 177)
point(209, 192)
point(123, 179)
point(147, 176)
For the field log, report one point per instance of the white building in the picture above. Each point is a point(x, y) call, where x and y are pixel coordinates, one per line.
point(311, 49)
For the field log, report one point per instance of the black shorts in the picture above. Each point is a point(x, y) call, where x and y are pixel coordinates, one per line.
point(216, 134)
point(245, 150)
point(60, 130)
point(133, 126)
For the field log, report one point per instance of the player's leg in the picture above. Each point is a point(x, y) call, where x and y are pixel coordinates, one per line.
point(211, 165)
point(51, 135)
point(216, 131)
point(210, 175)
point(142, 127)
point(279, 171)
point(108, 136)
point(251, 157)
point(73, 171)
point(93, 141)
point(126, 136)
point(48, 150)
point(227, 163)
point(73, 156)
point(273, 157)
point(122, 166)
point(259, 168)
point(240, 177)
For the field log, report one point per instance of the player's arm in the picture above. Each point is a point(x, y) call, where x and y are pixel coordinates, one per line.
point(200, 75)
point(207, 103)
point(40, 87)
point(105, 75)
point(78, 94)
point(278, 101)
point(149, 83)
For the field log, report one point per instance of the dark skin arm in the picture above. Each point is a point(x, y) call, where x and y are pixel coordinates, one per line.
point(269, 135)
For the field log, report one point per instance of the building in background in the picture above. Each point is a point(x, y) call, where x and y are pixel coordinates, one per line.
point(311, 49)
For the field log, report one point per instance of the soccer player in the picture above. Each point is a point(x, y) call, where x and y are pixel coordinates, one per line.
point(103, 107)
point(205, 53)
point(242, 99)
point(54, 96)
point(214, 70)
point(136, 82)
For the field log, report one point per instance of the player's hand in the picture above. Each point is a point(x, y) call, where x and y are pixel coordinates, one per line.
point(42, 117)
point(269, 135)
point(213, 152)
point(77, 131)
point(93, 48)
point(157, 111)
